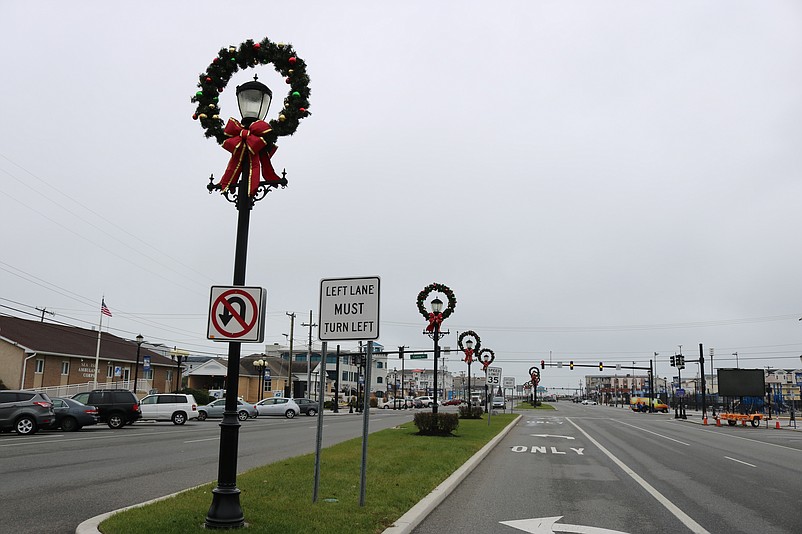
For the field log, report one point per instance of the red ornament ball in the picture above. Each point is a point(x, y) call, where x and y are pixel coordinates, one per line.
point(216, 60)
point(194, 116)
point(302, 110)
point(257, 46)
point(208, 79)
point(287, 79)
point(292, 60)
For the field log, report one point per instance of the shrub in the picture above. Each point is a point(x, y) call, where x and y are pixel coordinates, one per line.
point(436, 424)
point(470, 412)
point(374, 402)
point(328, 405)
point(201, 395)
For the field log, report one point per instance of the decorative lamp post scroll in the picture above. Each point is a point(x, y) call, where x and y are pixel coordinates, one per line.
point(248, 178)
point(534, 374)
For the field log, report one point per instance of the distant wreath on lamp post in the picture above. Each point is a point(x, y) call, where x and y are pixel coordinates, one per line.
point(250, 54)
point(475, 350)
point(440, 288)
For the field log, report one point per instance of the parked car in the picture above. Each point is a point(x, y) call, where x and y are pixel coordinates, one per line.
point(308, 406)
point(278, 406)
point(175, 407)
point(424, 401)
point(588, 402)
point(115, 407)
point(388, 403)
point(25, 412)
point(498, 402)
point(455, 402)
point(72, 415)
point(216, 408)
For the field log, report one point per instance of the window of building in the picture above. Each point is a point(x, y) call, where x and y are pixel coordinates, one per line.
point(378, 380)
point(169, 375)
point(345, 376)
point(148, 375)
point(65, 368)
point(40, 366)
point(110, 372)
point(379, 365)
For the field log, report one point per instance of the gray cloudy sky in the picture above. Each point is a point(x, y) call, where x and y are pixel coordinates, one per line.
point(595, 180)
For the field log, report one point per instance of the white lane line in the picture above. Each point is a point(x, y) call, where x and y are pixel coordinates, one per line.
point(739, 461)
point(686, 520)
point(199, 440)
point(750, 439)
point(650, 432)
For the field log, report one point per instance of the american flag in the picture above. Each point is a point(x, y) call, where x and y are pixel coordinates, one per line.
point(104, 309)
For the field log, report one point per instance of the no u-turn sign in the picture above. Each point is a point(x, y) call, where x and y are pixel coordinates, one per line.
point(237, 314)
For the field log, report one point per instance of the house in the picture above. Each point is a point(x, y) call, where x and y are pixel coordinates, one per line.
point(60, 359)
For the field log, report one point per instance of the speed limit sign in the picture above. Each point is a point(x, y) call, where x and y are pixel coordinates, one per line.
point(494, 376)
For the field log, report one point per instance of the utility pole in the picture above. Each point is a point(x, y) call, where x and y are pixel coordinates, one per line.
point(44, 310)
point(289, 363)
point(309, 353)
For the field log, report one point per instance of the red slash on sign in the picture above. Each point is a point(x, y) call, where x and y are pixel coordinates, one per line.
point(235, 314)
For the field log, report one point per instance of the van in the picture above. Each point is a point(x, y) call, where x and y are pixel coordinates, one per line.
point(641, 404)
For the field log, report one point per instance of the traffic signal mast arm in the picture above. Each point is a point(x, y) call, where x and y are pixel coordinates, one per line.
point(571, 364)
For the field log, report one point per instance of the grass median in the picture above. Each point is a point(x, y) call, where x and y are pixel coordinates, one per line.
point(402, 468)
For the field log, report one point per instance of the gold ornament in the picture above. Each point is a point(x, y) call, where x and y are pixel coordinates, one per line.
point(202, 116)
point(215, 117)
point(282, 118)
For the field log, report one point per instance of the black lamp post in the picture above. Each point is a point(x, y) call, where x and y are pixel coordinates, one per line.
point(139, 341)
point(437, 308)
point(259, 365)
point(225, 511)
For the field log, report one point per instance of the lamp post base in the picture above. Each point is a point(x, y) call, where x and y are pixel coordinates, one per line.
point(225, 511)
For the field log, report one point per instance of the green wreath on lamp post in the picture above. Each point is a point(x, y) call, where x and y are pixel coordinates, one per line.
point(249, 54)
point(433, 317)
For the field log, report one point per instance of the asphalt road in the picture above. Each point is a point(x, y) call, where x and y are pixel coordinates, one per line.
point(589, 468)
point(50, 482)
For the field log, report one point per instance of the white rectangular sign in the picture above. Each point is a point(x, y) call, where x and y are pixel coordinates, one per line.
point(494, 376)
point(509, 382)
point(349, 309)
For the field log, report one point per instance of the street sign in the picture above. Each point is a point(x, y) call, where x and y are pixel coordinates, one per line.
point(419, 356)
point(680, 393)
point(237, 313)
point(493, 376)
point(509, 382)
point(349, 309)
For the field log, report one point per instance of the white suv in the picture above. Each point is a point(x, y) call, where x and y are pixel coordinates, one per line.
point(175, 407)
point(425, 401)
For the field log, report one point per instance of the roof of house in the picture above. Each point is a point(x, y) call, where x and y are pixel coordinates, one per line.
point(44, 337)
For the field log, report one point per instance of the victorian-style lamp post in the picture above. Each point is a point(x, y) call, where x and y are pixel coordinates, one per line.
point(139, 341)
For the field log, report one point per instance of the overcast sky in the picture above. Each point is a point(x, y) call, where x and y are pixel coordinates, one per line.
point(596, 181)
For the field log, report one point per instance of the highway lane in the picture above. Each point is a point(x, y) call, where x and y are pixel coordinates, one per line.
point(51, 482)
point(660, 476)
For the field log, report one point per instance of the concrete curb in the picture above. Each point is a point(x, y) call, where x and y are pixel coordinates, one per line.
point(407, 522)
point(90, 526)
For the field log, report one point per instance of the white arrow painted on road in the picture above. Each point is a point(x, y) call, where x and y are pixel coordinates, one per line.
point(546, 525)
point(551, 436)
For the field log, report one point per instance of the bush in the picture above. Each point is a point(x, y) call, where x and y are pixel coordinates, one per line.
point(374, 402)
point(201, 395)
point(328, 405)
point(470, 412)
point(436, 424)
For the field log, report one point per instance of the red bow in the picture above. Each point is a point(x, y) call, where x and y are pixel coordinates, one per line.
point(434, 318)
point(468, 356)
point(248, 141)
point(486, 364)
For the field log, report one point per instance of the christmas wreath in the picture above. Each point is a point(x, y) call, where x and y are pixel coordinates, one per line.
point(486, 356)
point(469, 352)
point(250, 54)
point(436, 317)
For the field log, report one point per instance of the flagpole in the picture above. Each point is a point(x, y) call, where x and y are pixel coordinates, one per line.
point(97, 351)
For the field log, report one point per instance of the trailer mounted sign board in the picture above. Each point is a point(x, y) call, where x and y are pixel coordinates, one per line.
point(237, 313)
point(349, 309)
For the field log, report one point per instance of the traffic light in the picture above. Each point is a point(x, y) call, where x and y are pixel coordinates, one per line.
point(681, 361)
point(571, 365)
point(401, 352)
point(673, 362)
point(542, 364)
point(601, 366)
